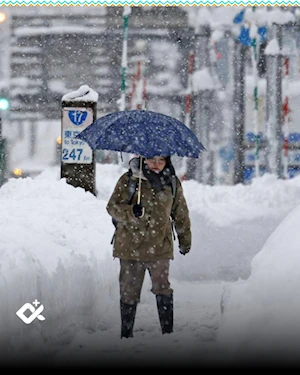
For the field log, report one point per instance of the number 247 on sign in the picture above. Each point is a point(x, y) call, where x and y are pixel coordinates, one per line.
point(74, 154)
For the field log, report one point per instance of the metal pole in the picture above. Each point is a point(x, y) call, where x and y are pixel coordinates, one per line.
point(274, 107)
point(202, 169)
point(188, 105)
point(239, 112)
point(122, 102)
point(32, 142)
point(254, 58)
point(286, 122)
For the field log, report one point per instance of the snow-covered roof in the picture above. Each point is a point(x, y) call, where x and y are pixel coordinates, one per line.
point(30, 31)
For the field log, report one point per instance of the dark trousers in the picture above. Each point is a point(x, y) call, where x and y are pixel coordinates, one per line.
point(131, 278)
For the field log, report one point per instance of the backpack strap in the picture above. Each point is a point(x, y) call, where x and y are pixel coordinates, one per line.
point(174, 187)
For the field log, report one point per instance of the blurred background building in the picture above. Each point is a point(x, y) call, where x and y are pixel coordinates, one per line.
point(46, 52)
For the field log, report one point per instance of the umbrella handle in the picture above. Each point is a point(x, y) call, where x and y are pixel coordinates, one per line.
point(139, 188)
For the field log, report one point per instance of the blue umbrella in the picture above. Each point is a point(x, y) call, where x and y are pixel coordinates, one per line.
point(145, 133)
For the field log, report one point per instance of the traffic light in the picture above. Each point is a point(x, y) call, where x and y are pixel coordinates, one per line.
point(4, 104)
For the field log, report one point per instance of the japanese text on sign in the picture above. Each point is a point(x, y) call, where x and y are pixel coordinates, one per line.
point(75, 150)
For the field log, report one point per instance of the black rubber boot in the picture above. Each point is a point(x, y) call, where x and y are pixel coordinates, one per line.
point(165, 312)
point(127, 319)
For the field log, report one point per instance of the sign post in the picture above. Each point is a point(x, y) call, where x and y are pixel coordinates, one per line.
point(77, 158)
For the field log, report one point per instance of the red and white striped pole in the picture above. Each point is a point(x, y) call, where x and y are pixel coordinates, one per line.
point(138, 85)
point(188, 99)
point(188, 105)
point(132, 93)
point(285, 121)
point(144, 94)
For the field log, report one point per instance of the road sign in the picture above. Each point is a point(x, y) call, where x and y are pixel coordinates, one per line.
point(79, 109)
point(75, 151)
point(244, 36)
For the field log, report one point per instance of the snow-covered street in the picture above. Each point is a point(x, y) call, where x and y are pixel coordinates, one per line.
point(55, 247)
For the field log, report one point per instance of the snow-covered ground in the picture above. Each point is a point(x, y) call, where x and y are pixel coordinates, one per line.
point(234, 294)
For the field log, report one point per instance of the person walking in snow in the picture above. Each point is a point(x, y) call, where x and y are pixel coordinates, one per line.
point(143, 238)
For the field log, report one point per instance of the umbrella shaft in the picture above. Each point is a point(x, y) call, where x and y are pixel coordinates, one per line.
point(140, 181)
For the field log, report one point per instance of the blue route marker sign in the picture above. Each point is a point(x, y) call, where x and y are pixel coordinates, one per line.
point(77, 117)
point(75, 151)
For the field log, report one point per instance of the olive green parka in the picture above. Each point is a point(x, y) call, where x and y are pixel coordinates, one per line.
point(148, 238)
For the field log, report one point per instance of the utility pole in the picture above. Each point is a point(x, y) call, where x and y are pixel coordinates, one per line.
point(122, 101)
point(274, 102)
point(32, 141)
point(202, 169)
point(239, 111)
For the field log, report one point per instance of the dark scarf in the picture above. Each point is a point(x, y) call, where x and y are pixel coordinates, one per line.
point(162, 179)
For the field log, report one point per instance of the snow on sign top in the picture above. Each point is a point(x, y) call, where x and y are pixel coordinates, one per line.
point(83, 94)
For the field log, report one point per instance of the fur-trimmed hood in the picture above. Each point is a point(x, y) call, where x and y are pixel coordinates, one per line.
point(134, 165)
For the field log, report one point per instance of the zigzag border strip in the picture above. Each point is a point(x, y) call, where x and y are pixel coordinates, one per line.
point(157, 3)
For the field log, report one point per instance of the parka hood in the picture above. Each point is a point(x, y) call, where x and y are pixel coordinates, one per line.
point(134, 165)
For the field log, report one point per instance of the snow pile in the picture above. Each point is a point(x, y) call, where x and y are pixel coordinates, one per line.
point(55, 247)
point(261, 317)
point(83, 94)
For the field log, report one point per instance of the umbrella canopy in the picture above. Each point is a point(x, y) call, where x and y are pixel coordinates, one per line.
point(141, 132)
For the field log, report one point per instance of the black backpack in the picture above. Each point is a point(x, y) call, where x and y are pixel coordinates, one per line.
point(132, 188)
